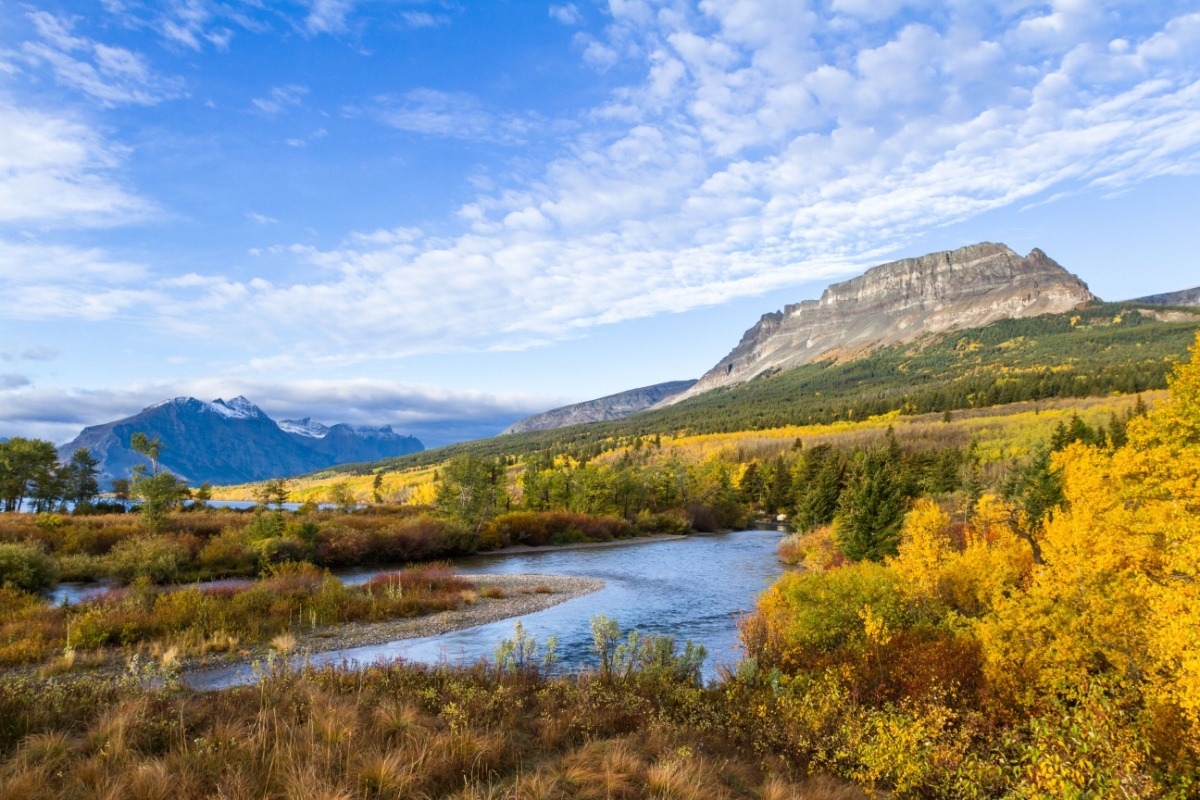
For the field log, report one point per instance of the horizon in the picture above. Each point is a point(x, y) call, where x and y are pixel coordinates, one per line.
point(439, 217)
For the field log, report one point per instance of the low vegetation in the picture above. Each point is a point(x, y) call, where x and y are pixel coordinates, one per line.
point(509, 730)
point(196, 620)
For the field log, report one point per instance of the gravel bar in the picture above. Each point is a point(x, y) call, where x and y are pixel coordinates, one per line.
point(523, 594)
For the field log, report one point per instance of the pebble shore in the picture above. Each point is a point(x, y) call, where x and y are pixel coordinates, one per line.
point(523, 594)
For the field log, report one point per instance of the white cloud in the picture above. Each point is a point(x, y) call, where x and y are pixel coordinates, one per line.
point(280, 99)
point(109, 75)
point(423, 19)
point(63, 282)
point(35, 353)
point(454, 115)
point(328, 16)
point(567, 14)
point(261, 219)
point(751, 157)
point(755, 152)
point(54, 171)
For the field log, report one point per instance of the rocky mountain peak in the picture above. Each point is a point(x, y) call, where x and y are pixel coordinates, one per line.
point(304, 427)
point(897, 302)
point(237, 408)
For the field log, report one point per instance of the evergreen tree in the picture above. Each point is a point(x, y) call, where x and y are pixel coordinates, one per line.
point(1037, 488)
point(82, 486)
point(751, 486)
point(818, 487)
point(779, 490)
point(872, 509)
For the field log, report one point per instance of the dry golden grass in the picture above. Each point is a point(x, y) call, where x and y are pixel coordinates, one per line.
point(388, 733)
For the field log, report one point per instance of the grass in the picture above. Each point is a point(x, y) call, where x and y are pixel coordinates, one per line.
point(395, 731)
point(195, 621)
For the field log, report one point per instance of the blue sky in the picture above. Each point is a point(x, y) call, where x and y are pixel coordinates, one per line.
point(445, 215)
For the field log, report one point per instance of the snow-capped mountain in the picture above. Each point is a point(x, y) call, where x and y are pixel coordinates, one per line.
point(234, 441)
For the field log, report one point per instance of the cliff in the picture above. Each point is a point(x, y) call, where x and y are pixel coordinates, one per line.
point(898, 302)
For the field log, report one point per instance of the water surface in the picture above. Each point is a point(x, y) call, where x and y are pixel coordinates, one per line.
point(695, 588)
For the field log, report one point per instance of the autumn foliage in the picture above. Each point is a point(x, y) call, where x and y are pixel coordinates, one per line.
point(1012, 656)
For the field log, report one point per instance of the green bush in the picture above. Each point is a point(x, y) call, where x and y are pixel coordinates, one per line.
point(160, 559)
point(673, 523)
point(26, 568)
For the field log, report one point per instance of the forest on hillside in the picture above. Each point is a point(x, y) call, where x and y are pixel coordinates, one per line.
point(1102, 349)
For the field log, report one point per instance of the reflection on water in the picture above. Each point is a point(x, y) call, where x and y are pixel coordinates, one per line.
point(694, 588)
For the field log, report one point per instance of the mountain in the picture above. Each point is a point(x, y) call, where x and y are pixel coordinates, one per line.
point(899, 302)
point(614, 406)
point(1187, 297)
point(234, 441)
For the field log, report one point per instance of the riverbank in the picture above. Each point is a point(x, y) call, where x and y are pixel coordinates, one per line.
point(518, 595)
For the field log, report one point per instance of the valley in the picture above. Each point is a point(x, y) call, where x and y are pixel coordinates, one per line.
point(924, 505)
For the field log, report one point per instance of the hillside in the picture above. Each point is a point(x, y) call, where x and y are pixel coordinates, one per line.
point(611, 407)
point(1187, 297)
point(901, 301)
point(233, 441)
point(1101, 349)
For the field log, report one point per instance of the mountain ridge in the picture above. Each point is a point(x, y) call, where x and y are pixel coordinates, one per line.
point(602, 409)
point(897, 302)
point(1184, 297)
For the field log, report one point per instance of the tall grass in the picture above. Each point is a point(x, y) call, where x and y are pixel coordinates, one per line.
point(396, 731)
point(201, 620)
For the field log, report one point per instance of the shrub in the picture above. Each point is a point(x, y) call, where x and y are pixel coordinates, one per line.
point(553, 527)
point(671, 522)
point(283, 550)
point(80, 567)
point(228, 554)
point(96, 540)
point(156, 558)
point(340, 546)
point(26, 568)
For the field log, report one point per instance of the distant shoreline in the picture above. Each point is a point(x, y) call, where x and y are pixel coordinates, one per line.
point(521, 549)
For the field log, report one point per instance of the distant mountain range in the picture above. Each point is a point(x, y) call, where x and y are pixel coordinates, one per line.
point(1187, 297)
point(234, 441)
point(614, 406)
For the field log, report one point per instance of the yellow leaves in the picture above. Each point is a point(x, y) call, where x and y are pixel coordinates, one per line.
point(903, 747)
point(875, 626)
point(1174, 424)
point(1119, 594)
point(924, 547)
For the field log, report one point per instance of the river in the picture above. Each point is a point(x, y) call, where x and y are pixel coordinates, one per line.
point(695, 588)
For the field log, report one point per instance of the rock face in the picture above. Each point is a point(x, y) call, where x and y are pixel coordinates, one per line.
point(233, 441)
point(615, 406)
point(1188, 297)
point(899, 302)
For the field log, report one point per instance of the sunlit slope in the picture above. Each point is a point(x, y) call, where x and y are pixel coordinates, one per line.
point(1100, 350)
point(997, 434)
